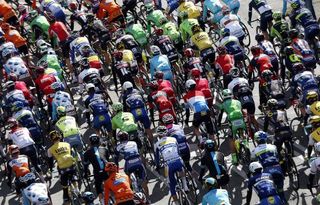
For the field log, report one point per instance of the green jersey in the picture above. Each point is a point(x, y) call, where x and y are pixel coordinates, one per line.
point(67, 125)
point(53, 62)
point(171, 30)
point(186, 28)
point(124, 121)
point(41, 22)
point(138, 33)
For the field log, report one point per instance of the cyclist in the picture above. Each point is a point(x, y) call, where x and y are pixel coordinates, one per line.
point(265, 12)
point(267, 155)
point(61, 152)
point(21, 137)
point(224, 63)
point(68, 127)
point(215, 8)
point(213, 160)
point(263, 184)
point(19, 165)
point(167, 148)
point(39, 25)
point(186, 25)
point(314, 137)
point(202, 84)
point(98, 156)
point(134, 102)
point(136, 30)
point(112, 9)
point(118, 184)
point(176, 131)
point(314, 168)
point(215, 195)
point(160, 62)
point(53, 7)
point(133, 162)
point(234, 113)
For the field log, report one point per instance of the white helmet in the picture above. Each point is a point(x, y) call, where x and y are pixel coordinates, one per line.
point(254, 166)
point(126, 85)
point(89, 85)
point(190, 83)
point(317, 147)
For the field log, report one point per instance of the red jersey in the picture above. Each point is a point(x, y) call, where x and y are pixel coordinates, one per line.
point(59, 30)
point(226, 62)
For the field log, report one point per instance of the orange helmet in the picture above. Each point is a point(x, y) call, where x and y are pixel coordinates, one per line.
point(111, 167)
point(13, 149)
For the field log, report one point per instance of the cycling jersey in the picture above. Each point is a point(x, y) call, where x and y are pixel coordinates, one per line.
point(186, 28)
point(161, 63)
point(201, 40)
point(171, 30)
point(58, 30)
point(232, 22)
point(76, 47)
point(119, 185)
point(54, 8)
point(189, 7)
point(61, 151)
point(35, 194)
point(111, 8)
point(216, 196)
point(225, 63)
point(138, 32)
point(215, 7)
point(19, 165)
point(235, 84)
point(62, 98)
point(125, 122)
point(68, 126)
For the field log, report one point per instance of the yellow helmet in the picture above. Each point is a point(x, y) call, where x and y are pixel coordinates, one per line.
point(314, 120)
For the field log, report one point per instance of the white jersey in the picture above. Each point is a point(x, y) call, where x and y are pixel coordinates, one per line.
point(21, 137)
point(237, 81)
point(232, 23)
point(17, 66)
point(167, 147)
point(36, 194)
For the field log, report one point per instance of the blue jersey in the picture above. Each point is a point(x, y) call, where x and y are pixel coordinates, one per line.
point(161, 63)
point(216, 196)
point(263, 185)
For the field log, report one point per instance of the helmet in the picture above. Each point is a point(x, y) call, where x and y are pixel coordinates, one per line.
point(221, 50)
point(28, 179)
point(225, 32)
point(73, 5)
point(61, 111)
point(317, 147)
point(298, 67)
point(183, 15)
point(167, 119)
point(94, 139)
point(190, 84)
point(139, 198)
point(266, 74)
point(117, 107)
point(312, 96)
point(17, 105)
point(10, 85)
point(12, 77)
point(40, 70)
point(235, 72)
point(295, 4)
point(159, 31)
point(153, 85)
point(210, 146)
point(89, 86)
point(161, 131)
point(129, 19)
point(123, 136)
point(88, 197)
point(288, 50)
point(225, 10)
point(255, 167)
point(22, 8)
point(118, 55)
point(259, 37)
point(5, 27)
point(272, 103)
point(13, 149)
point(255, 50)
point(314, 120)
point(211, 182)
point(293, 33)
point(54, 135)
point(149, 7)
point(195, 72)
point(188, 52)
point(226, 94)
point(196, 28)
point(127, 85)
point(155, 50)
point(159, 74)
point(260, 136)
point(111, 167)
point(12, 123)
point(276, 16)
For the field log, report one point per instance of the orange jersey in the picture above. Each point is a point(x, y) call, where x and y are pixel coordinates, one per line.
point(109, 8)
point(14, 36)
point(20, 165)
point(119, 185)
point(6, 10)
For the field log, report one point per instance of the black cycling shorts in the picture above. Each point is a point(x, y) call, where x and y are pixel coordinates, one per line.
point(199, 118)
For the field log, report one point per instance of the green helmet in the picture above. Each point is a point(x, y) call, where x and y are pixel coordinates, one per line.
point(129, 19)
point(276, 16)
point(117, 107)
point(149, 7)
point(183, 15)
point(226, 94)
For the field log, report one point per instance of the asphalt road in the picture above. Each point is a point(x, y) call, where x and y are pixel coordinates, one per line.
point(237, 187)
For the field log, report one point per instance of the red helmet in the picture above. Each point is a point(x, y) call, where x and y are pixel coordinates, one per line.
point(153, 85)
point(159, 75)
point(111, 167)
point(118, 55)
point(255, 50)
point(12, 123)
point(189, 52)
point(159, 31)
point(195, 72)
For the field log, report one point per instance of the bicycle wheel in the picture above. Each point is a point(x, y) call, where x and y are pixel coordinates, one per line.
point(247, 38)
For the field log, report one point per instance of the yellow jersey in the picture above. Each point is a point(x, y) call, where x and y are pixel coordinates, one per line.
point(189, 7)
point(201, 40)
point(61, 151)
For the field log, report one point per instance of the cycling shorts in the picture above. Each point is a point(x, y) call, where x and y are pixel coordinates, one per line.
point(74, 140)
point(141, 115)
point(265, 19)
point(102, 120)
point(271, 200)
point(135, 166)
point(311, 31)
point(171, 168)
point(201, 117)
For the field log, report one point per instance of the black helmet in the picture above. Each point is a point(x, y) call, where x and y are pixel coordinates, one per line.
point(259, 37)
point(293, 33)
point(210, 146)
point(94, 139)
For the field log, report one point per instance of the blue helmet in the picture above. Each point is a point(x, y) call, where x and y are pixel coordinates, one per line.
point(260, 136)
